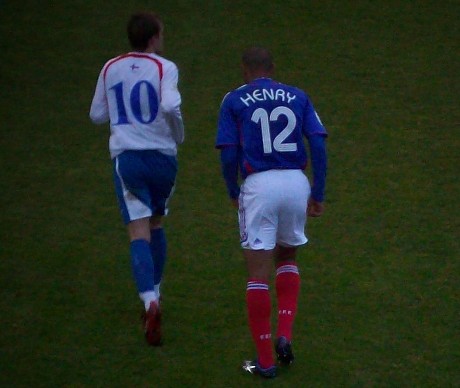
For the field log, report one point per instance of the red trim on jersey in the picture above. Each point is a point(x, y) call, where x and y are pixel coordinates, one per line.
point(136, 55)
point(248, 167)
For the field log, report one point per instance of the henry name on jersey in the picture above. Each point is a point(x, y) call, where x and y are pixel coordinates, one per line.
point(267, 94)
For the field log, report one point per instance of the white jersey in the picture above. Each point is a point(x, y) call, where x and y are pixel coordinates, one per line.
point(138, 94)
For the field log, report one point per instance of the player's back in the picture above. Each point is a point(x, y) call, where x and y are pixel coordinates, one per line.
point(270, 116)
point(133, 89)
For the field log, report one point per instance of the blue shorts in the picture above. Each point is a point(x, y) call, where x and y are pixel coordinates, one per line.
point(144, 182)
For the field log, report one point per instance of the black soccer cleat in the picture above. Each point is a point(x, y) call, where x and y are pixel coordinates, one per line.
point(283, 350)
point(254, 368)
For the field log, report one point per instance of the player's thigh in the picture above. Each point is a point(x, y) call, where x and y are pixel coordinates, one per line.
point(129, 168)
point(292, 215)
point(257, 213)
point(132, 192)
point(161, 173)
point(144, 182)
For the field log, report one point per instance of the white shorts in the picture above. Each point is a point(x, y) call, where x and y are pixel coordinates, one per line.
point(273, 209)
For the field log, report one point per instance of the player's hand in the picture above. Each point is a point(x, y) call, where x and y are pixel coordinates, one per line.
point(235, 203)
point(315, 208)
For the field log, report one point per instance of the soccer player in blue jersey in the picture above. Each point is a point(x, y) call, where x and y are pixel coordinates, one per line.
point(261, 131)
point(137, 93)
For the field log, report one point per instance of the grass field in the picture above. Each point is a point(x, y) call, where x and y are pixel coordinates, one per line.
point(380, 298)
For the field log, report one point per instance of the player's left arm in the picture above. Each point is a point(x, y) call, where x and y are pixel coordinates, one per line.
point(99, 111)
point(171, 101)
point(316, 135)
point(318, 157)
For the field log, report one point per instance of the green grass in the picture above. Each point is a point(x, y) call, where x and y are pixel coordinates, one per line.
point(380, 299)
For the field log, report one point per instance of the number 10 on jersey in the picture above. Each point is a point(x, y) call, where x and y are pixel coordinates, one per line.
point(143, 102)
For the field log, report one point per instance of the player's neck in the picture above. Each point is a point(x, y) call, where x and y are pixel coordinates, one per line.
point(252, 79)
point(257, 75)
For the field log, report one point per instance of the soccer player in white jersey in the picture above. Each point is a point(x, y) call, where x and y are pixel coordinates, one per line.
point(137, 93)
point(261, 131)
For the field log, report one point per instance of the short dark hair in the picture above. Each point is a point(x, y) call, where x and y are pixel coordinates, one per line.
point(142, 26)
point(257, 58)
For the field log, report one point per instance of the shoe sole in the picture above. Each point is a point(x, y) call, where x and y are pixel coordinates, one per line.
point(285, 359)
point(252, 368)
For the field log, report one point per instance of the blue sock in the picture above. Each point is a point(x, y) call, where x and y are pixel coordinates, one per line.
point(158, 250)
point(142, 265)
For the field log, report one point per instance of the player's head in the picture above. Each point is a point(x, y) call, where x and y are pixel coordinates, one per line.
point(145, 32)
point(257, 62)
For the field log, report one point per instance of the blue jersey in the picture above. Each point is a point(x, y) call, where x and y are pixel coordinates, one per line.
point(268, 121)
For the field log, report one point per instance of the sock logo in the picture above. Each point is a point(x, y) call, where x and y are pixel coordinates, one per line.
point(265, 336)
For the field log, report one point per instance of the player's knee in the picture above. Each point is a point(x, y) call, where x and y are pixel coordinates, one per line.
point(139, 229)
point(156, 222)
point(285, 253)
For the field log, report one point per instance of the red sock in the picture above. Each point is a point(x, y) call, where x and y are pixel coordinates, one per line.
point(287, 292)
point(259, 310)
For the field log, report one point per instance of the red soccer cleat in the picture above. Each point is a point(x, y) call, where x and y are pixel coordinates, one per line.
point(152, 325)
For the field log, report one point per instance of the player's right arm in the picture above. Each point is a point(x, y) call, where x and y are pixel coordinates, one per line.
point(99, 111)
point(229, 167)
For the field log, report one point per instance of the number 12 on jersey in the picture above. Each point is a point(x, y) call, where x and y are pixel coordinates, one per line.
point(260, 115)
